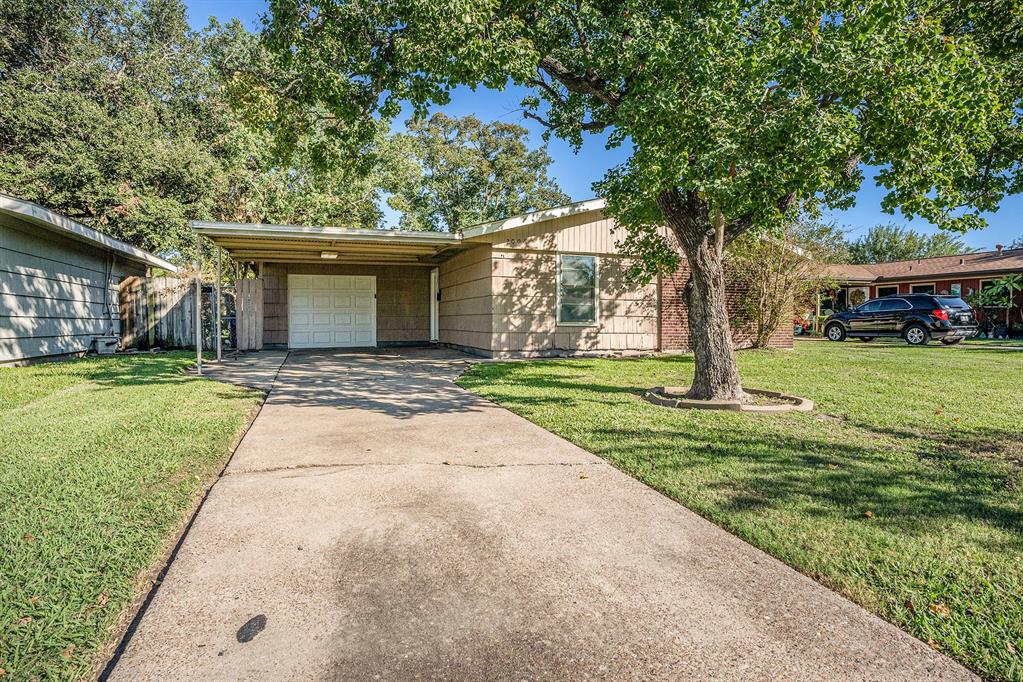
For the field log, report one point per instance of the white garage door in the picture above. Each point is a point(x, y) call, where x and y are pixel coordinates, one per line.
point(332, 311)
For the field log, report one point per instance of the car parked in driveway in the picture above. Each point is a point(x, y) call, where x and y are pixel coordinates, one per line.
point(917, 318)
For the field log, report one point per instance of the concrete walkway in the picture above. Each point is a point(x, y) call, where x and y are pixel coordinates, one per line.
point(378, 522)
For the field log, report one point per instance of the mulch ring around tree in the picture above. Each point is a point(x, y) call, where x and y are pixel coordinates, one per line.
point(761, 401)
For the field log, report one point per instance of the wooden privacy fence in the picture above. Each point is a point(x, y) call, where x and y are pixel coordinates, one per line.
point(159, 312)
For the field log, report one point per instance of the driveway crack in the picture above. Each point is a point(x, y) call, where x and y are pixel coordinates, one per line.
point(356, 465)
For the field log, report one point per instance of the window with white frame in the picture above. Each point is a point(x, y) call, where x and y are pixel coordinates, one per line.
point(887, 291)
point(577, 289)
point(922, 289)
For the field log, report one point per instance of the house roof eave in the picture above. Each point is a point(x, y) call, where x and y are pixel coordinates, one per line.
point(40, 216)
point(532, 218)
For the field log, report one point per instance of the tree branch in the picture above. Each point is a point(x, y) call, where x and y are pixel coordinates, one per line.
point(586, 126)
point(583, 85)
point(542, 83)
point(583, 41)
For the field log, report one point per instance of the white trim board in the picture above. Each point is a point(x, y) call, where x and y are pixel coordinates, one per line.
point(259, 230)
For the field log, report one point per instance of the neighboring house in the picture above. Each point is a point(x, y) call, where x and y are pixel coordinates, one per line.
point(546, 283)
point(962, 275)
point(58, 282)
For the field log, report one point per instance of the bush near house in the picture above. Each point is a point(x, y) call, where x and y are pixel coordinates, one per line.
point(100, 461)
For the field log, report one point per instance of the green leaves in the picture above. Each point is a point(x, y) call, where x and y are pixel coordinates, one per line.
point(886, 243)
point(753, 106)
point(460, 171)
point(118, 114)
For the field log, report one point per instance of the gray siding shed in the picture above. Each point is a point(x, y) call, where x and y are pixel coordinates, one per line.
point(58, 282)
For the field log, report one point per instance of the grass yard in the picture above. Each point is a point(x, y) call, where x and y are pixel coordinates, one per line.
point(994, 342)
point(903, 490)
point(100, 459)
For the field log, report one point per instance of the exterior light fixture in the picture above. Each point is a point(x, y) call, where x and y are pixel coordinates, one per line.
point(329, 255)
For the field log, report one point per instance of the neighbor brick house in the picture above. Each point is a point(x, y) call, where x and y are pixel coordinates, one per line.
point(962, 275)
point(550, 282)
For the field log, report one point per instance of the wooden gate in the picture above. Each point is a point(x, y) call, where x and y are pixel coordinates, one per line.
point(249, 311)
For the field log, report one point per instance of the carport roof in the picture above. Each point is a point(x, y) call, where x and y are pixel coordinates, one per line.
point(317, 244)
point(307, 244)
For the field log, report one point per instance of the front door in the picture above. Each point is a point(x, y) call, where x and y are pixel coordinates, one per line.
point(332, 311)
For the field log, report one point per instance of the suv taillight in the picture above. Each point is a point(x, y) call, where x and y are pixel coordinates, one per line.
point(940, 314)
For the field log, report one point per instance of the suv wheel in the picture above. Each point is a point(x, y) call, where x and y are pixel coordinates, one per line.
point(916, 335)
point(835, 332)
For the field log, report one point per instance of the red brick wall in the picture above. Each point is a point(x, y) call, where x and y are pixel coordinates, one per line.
point(674, 318)
point(968, 286)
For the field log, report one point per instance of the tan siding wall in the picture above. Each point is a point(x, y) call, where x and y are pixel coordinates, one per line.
point(588, 233)
point(465, 311)
point(403, 299)
point(525, 308)
point(583, 233)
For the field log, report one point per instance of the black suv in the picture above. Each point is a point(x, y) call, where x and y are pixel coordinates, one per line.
point(917, 318)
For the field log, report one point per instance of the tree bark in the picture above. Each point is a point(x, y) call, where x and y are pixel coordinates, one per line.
point(703, 239)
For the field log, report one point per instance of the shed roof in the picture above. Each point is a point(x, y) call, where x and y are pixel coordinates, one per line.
point(540, 216)
point(39, 216)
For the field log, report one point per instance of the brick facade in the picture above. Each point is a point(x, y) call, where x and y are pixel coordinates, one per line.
point(674, 317)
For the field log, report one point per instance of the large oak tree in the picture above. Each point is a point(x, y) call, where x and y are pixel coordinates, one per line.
point(736, 110)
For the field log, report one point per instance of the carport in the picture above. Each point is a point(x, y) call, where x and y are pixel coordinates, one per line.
point(332, 287)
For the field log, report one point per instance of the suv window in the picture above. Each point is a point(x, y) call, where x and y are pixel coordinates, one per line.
point(953, 302)
point(922, 301)
point(870, 307)
point(894, 304)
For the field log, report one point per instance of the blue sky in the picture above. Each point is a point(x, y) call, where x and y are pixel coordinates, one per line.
point(577, 172)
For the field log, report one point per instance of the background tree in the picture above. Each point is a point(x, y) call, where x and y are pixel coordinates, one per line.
point(887, 243)
point(781, 274)
point(116, 113)
point(735, 110)
point(1017, 243)
point(469, 172)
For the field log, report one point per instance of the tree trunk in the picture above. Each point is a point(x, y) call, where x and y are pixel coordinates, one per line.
point(702, 240)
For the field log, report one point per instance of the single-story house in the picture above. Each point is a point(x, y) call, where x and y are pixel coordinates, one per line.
point(545, 283)
point(962, 275)
point(59, 282)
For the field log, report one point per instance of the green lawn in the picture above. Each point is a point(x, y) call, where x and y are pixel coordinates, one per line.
point(994, 342)
point(903, 490)
point(100, 460)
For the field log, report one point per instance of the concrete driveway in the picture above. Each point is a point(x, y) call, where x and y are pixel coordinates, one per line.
point(378, 522)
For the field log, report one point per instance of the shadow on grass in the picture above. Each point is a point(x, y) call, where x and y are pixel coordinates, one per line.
point(161, 370)
point(782, 471)
point(912, 479)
